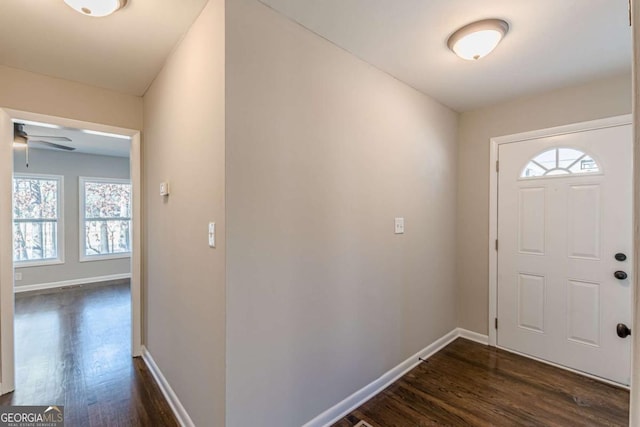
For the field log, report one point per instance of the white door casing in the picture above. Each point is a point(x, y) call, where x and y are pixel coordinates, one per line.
point(7, 373)
point(556, 295)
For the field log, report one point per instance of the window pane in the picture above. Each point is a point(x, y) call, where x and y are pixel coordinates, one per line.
point(586, 164)
point(559, 161)
point(107, 200)
point(35, 198)
point(547, 159)
point(105, 237)
point(35, 241)
point(567, 156)
point(532, 170)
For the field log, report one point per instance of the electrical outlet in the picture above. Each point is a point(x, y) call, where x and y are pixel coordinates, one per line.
point(17, 276)
point(399, 226)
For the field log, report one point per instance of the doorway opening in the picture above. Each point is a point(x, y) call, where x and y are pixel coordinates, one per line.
point(70, 250)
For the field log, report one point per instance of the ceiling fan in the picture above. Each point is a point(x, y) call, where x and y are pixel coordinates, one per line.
point(20, 136)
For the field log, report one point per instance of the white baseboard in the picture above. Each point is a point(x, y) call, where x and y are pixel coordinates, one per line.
point(178, 410)
point(73, 282)
point(473, 336)
point(346, 406)
point(338, 411)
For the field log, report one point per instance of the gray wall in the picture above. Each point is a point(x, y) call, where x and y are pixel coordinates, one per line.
point(596, 100)
point(323, 151)
point(184, 279)
point(71, 166)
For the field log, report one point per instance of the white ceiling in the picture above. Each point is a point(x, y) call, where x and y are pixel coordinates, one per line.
point(122, 52)
point(81, 141)
point(551, 43)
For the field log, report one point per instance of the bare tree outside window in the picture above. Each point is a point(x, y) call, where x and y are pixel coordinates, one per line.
point(107, 216)
point(35, 217)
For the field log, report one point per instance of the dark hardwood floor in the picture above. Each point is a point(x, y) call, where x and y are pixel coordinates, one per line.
point(73, 349)
point(471, 384)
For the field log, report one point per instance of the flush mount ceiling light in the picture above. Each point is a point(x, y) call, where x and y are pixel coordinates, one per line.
point(96, 8)
point(478, 39)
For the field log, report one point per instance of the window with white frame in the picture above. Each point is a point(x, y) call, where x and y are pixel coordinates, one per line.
point(560, 162)
point(37, 219)
point(105, 218)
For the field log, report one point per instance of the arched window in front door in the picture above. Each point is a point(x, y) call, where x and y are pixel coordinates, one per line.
point(558, 162)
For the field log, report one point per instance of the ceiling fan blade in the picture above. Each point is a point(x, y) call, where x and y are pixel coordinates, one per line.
point(57, 138)
point(54, 145)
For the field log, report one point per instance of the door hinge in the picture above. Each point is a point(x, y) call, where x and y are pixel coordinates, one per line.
point(496, 244)
point(496, 323)
point(497, 165)
point(630, 21)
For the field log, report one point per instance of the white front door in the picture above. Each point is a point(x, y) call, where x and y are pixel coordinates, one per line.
point(564, 227)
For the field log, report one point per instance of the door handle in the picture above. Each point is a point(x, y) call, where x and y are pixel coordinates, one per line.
point(620, 275)
point(620, 256)
point(623, 330)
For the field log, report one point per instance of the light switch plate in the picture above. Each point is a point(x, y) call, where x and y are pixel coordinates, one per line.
point(17, 276)
point(164, 188)
point(212, 234)
point(399, 226)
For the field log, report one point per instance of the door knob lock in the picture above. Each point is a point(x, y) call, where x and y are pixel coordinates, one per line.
point(623, 330)
point(620, 275)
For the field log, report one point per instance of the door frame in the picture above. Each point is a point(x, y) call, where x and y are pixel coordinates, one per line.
point(7, 344)
point(634, 401)
point(495, 144)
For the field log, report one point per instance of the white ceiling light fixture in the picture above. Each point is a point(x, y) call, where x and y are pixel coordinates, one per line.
point(478, 39)
point(96, 8)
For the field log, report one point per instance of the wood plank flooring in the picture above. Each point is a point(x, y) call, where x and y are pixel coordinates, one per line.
point(469, 384)
point(73, 349)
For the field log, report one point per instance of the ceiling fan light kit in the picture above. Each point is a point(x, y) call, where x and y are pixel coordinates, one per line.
point(478, 39)
point(96, 8)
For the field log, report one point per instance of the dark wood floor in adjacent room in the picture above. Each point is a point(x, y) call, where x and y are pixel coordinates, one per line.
point(471, 384)
point(73, 349)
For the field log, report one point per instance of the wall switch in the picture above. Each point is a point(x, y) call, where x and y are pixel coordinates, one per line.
point(164, 188)
point(399, 229)
point(212, 234)
point(17, 276)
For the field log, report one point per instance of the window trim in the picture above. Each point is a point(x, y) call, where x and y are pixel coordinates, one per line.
point(60, 222)
point(81, 220)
